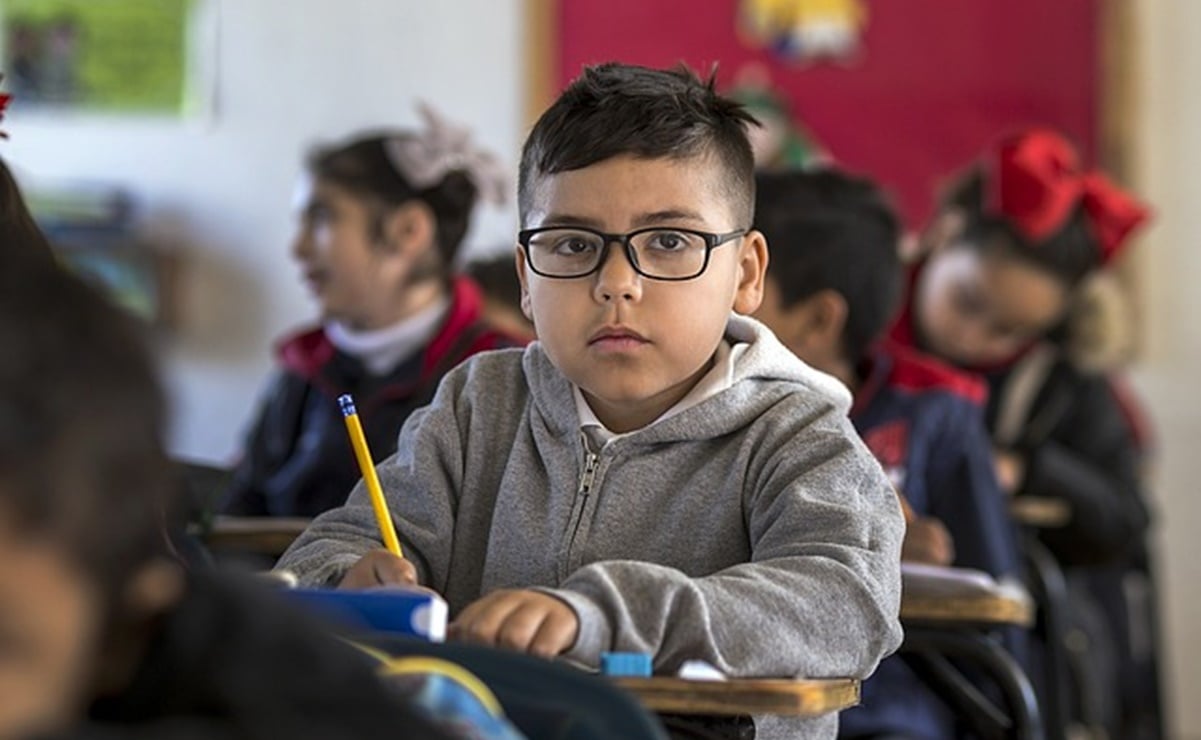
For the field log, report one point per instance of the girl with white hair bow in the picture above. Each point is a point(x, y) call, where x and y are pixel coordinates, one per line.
point(381, 219)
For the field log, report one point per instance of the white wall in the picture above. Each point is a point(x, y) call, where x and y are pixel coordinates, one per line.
point(289, 73)
point(1169, 173)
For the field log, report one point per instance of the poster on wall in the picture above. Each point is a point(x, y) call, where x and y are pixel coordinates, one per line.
point(122, 57)
point(907, 92)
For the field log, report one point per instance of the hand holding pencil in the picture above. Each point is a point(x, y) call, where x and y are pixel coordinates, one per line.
point(379, 567)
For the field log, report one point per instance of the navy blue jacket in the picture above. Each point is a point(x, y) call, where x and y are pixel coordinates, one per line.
point(297, 460)
point(924, 422)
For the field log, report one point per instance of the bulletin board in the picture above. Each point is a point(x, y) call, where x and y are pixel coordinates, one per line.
point(932, 83)
point(122, 57)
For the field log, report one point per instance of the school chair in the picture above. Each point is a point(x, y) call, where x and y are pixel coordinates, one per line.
point(245, 543)
point(951, 618)
point(1049, 590)
point(1070, 691)
point(201, 487)
point(198, 485)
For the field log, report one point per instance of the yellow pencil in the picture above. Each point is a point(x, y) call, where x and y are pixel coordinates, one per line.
point(359, 441)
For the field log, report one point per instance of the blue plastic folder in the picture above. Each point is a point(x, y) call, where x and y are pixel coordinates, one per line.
point(379, 610)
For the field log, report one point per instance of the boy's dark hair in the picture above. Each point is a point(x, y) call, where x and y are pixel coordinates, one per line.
point(1068, 255)
point(81, 417)
point(827, 230)
point(20, 237)
point(364, 167)
point(619, 109)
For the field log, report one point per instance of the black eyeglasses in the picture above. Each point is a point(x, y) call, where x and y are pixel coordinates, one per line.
point(656, 252)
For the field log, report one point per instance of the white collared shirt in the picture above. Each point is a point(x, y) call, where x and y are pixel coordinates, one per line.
point(381, 350)
point(719, 378)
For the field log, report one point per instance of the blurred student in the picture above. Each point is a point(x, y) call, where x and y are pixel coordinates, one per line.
point(497, 278)
point(381, 221)
point(657, 473)
point(102, 634)
point(833, 284)
point(1010, 250)
point(19, 234)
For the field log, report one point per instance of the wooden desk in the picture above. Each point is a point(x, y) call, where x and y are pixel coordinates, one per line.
point(264, 535)
point(1040, 511)
point(792, 697)
point(948, 613)
point(934, 595)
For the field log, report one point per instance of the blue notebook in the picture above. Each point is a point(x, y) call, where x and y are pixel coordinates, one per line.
point(379, 610)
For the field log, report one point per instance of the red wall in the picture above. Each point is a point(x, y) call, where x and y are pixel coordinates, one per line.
point(937, 80)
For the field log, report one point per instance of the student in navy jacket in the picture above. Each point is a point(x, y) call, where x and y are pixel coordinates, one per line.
point(834, 280)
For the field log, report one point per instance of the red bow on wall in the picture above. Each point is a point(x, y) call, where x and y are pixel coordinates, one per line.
point(1035, 181)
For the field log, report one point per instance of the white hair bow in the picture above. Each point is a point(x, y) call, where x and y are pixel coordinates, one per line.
point(427, 157)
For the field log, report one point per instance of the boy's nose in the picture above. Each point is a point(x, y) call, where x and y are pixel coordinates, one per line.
point(617, 278)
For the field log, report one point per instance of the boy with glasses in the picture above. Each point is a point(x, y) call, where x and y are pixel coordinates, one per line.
point(657, 473)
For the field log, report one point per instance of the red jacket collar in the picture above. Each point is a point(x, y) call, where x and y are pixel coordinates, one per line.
point(307, 352)
point(891, 365)
point(466, 307)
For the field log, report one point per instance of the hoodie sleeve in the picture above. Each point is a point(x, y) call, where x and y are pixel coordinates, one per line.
point(819, 597)
point(419, 482)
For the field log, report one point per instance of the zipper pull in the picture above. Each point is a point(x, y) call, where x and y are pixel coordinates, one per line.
point(589, 473)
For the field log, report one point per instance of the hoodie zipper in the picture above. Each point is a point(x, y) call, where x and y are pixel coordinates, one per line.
point(586, 480)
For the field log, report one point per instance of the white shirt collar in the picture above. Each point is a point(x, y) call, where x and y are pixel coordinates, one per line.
point(381, 350)
point(719, 378)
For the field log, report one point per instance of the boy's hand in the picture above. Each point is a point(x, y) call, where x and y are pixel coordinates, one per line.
point(524, 620)
point(927, 541)
point(379, 568)
point(1011, 470)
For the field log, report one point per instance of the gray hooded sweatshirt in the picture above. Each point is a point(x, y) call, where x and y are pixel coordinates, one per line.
point(752, 530)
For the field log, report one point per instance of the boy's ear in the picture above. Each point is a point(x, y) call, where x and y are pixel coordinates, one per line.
point(943, 231)
point(826, 313)
point(526, 308)
point(815, 327)
point(752, 269)
point(409, 230)
point(154, 589)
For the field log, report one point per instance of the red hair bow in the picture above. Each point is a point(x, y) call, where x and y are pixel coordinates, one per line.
point(1034, 180)
point(4, 99)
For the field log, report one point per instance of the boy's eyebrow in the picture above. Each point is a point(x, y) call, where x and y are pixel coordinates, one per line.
point(313, 206)
point(670, 214)
point(643, 219)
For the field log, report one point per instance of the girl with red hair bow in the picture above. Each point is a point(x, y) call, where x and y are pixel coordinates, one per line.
point(1008, 257)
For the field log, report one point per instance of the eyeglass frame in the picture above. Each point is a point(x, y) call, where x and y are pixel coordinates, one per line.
point(712, 241)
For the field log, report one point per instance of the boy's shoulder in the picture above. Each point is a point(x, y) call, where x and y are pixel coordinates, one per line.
point(497, 375)
point(914, 372)
point(305, 352)
point(911, 401)
point(228, 632)
point(764, 359)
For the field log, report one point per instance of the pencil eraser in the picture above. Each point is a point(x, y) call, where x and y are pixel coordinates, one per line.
point(626, 664)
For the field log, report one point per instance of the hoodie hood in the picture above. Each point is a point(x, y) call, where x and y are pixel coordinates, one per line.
point(757, 385)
